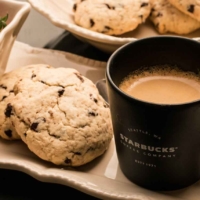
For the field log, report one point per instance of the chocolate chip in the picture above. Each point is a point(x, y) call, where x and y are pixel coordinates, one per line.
point(33, 75)
point(3, 98)
point(94, 99)
point(106, 29)
point(11, 91)
point(110, 7)
point(90, 113)
point(68, 161)
point(79, 76)
point(34, 126)
point(74, 7)
point(3, 86)
point(23, 121)
point(92, 23)
point(25, 134)
point(50, 113)
point(106, 105)
point(144, 4)
point(55, 136)
point(43, 82)
point(191, 8)
point(60, 92)
point(8, 111)
point(8, 133)
point(77, 153)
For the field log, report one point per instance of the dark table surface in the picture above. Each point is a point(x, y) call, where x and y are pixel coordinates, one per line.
point(15, 185)
point(67, 42)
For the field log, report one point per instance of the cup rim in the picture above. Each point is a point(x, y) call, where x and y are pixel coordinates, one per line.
point(114, 54)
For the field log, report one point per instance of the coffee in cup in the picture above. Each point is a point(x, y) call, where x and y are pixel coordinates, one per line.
point(162, 85)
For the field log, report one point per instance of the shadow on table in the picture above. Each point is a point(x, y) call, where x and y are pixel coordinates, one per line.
point(67, 42)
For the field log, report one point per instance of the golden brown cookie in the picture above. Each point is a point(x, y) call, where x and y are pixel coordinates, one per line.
point(61, 117)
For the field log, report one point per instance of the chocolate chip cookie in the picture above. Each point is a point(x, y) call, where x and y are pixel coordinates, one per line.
point(189, 7)
point(61, 117)
point(7, 83)
point(111, 17)
point(166, 18)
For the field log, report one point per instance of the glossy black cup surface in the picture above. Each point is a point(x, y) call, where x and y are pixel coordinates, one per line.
point(158, 146)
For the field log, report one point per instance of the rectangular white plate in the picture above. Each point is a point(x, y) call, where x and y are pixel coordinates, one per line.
point(102, 177)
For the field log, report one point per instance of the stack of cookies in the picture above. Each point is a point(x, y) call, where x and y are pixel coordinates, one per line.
point(56, 112)
point(115, 17)
point(168, 16)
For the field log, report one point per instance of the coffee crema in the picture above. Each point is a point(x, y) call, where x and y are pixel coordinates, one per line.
point(163, 85)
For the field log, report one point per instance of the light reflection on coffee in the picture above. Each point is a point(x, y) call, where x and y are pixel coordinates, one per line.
point(163, 85)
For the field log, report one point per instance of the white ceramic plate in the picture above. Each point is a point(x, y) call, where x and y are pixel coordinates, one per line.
point(102, 177)
point(60, 13)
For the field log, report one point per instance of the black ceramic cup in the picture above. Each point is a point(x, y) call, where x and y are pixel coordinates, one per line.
point(158, 146)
